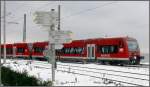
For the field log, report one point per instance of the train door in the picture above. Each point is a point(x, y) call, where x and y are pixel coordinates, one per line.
point(30, 45)
point(14, 51)
point(90, 51)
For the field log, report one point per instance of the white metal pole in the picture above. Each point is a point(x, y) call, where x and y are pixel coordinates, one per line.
point(58, 17)
point(52, 57)
point(4, 31)
point(24, 29)
point(0, 53)
point(52, 49)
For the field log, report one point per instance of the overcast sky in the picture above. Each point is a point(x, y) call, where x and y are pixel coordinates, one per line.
point(85, 19)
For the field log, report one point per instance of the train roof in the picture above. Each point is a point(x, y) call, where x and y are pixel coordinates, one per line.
point(127, 38)
point(76, 41)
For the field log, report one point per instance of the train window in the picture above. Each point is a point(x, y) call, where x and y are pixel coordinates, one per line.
point(79, 50)
point(66, 50)
point(9, 51)
point(20, 50)
point(132, 45)
point(38, 49)
point(2, 50)
point(63, 50)
point(58, 51)
point(75, 50)
point(108, 49)
point(72, 50)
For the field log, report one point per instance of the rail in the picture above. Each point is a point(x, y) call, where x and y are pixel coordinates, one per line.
point(92, 70)
point(95, 76)
point(105, 69)
point(102, 78)
point(108, 74)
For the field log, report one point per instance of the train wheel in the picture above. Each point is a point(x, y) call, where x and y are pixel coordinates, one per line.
point(102, 62)
point(105, 63)
point(113, 63)
point(138, 61)
point(132, 61)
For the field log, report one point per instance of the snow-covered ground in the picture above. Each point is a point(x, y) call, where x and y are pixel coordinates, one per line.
point(73, 74)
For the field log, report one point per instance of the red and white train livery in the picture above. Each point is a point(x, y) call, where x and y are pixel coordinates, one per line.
point(119, 50)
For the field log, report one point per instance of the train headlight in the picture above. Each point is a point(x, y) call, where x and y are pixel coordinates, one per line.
point(134, 57)
point(121, 49)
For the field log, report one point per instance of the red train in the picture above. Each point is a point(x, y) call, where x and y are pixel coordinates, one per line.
point(120, 50)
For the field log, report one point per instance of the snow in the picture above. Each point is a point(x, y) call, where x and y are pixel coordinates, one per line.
point(73, 74)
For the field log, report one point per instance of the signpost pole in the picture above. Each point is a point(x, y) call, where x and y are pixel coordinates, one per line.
point(0, 54)
point(24, 29)
point(52, 50)
point(55, 38)
point(4, 32)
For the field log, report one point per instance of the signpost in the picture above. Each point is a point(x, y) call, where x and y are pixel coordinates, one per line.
point(56, 37)
point(48, 54)
point(61, 37)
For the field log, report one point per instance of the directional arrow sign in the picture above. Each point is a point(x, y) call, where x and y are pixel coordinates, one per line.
point(45, 18)
point(48, 54)
point(60, 37)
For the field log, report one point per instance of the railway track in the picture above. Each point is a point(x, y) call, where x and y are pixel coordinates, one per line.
point(101, 69)
point(98, 75)
point(131, 78)
point(130, 66)
point(103, 78)
point(138, 66)
point(124, 77)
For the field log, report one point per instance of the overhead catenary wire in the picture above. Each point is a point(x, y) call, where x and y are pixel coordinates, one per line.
point(65, 18)
point(30, 11)
point(74, 14)
point(19, 7)
point(87, 10)
point(84, 11)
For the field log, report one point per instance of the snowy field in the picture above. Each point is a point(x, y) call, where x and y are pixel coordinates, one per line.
point(73, 74)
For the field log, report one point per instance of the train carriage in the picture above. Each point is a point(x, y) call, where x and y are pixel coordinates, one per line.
point(21, 50)
point(113, 50)
point(38, 50)
point(120, 50)
point(73, 51)
point(9, 50)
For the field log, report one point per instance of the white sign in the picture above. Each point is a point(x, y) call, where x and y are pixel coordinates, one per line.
point(30, 46)
point(45, 18)
point(48, 54)
point(58, 46)
point(59, 37)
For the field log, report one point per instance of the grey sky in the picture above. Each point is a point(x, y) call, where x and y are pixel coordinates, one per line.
point(85, 19)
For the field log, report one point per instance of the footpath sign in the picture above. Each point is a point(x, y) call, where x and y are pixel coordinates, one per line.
point(45, 18)
point(48, 20)
point(60, 37)
point(48, 54)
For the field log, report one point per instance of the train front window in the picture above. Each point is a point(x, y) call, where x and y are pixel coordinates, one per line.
point(132, 45)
